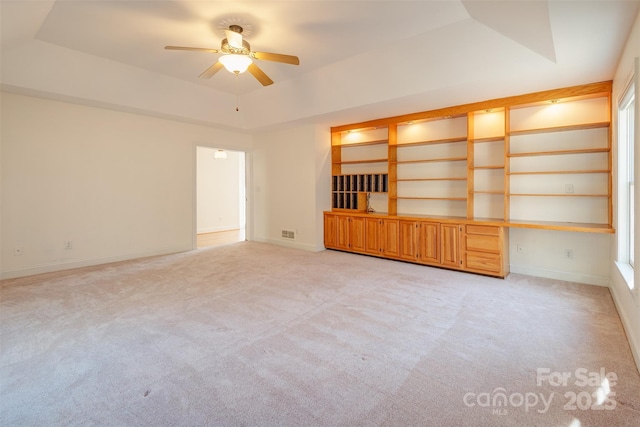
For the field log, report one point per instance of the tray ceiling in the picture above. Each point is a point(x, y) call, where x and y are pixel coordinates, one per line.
point(359, 59)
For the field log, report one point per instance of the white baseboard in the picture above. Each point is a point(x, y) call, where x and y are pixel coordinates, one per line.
point(560, 275)
point(628, 327)
point(49, 268)
point(289, 244)
point(632, 329)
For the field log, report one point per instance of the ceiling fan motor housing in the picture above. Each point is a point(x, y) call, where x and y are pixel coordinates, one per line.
point(225, 47)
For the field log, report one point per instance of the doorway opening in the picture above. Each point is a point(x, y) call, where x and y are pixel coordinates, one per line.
point(220, 197)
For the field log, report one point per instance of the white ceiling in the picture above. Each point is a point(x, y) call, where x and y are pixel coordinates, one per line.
point(359, 60)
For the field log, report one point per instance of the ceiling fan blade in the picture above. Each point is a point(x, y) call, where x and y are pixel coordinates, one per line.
point(209, 72)
point(259, 74)
point(200, 49)
point(234, 39)
point(276, 57)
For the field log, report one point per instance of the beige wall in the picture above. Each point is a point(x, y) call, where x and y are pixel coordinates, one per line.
point(543, 255)
point(117, 185)
point(291, 185)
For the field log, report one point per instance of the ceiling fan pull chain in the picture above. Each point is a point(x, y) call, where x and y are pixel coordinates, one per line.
point(237, 96)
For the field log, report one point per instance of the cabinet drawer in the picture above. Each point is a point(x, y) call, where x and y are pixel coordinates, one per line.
point(484, 262)
point(483, 243)
point(487, 230)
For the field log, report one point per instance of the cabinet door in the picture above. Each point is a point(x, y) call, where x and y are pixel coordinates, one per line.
point(428, 243)
point(390, 237)
point(408, 240)
point(343, 232)
point(450, 245)
point(330, 231)
point(356, 239)
point(372, 236)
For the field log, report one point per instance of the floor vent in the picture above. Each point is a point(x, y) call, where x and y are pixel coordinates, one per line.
point(288, 234)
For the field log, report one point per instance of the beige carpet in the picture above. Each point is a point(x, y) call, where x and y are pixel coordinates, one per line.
point(253, 334)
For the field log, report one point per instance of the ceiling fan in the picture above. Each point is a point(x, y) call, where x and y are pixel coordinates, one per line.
point(237, 56)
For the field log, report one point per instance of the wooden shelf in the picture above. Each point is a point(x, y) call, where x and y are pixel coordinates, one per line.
point(561, 226)
point(360, 144)
point(487, 192)
point(565, 172)
point(486, 167)
point(430, 198)
point(431, 179)
point(357, 162)
point(559, 152)
point(436, 141)
point(556, 195)
point(489, 139)
point(560, 128)
point(447, 159)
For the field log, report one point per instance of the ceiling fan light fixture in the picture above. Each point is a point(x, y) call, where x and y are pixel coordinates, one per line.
point(235, 63)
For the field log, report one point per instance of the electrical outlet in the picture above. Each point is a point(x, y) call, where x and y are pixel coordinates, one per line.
point(17, 251)
point(68, 245)
point(568, 253)
point(568, 188)
point(520, 249)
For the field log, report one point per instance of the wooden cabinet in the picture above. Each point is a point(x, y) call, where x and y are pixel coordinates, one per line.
point(381, 237)
point(468, 246)
point(450, 245)
point(330, 231)
point(390, 237)
point(419, 241)
point(408, 240)
point(428, 242)
point(357, 234)
point(483, 249)
point(344, 231)
point(372, 236)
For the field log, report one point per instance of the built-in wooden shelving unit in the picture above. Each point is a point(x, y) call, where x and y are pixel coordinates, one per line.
point(448, 184)
point(540, 160)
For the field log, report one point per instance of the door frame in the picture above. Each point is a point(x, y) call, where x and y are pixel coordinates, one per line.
point(248, 183)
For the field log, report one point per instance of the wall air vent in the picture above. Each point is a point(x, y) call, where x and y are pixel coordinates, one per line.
point(288, 234)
